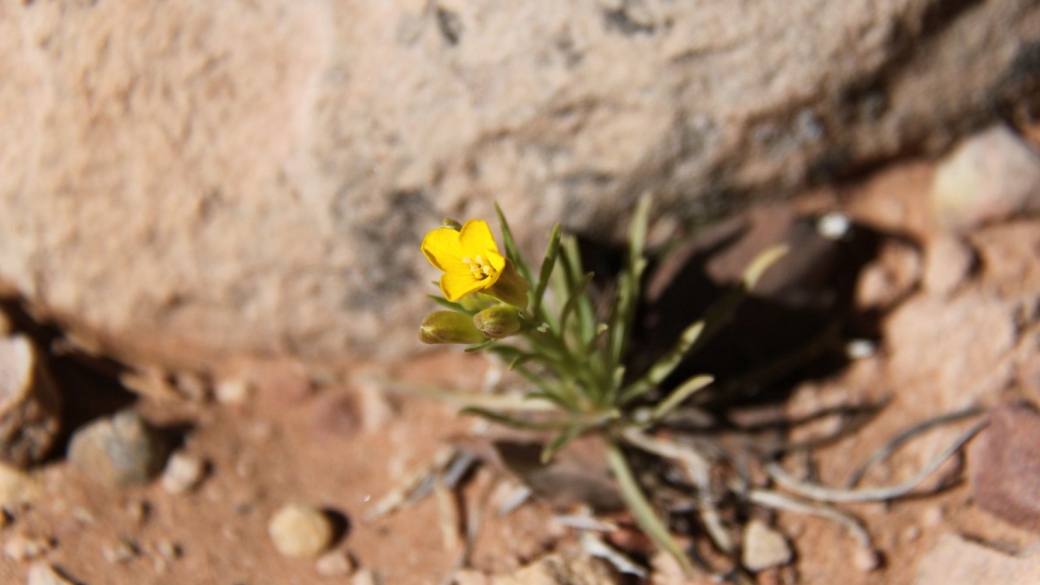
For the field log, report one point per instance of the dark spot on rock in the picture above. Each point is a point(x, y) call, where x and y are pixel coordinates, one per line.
point(450, 25)
point(620, 21)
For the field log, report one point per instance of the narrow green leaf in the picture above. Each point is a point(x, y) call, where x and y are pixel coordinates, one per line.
point(629, 281)
point(577, 295)
point(664, 366)
point(679, 395)
point(614, 387)
point(573, 270)
point(512, 421)
point(564, 396)
point(552, 251)
point(553, 398)
point(561, 440)
point(641, 508)
point(637, 231)
point(512, 252)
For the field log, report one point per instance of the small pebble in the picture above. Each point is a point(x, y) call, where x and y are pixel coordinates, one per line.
point(165, 553)
point(43, 574)
point(139, 511)
point(182, 474)
point(300, 531)
point(911, 533)
point(232, 391)
point(834, 226)
point(933, 516)
point(120, 552)
point(860, 349)
point(192, 386)
point(866, 560)
point(335, 563)
point(168, 550)
point(118, 451)
point(764, 547)
point(22, 548)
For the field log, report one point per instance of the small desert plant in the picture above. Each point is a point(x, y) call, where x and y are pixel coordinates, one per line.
point(574, 360)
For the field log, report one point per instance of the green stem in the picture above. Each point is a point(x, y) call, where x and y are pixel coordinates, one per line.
point(641, 508)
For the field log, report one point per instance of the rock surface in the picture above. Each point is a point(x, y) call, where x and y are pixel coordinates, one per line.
point(118, 451)
point(955, 561)
point(30, 406)
point(187, 179)
point(1005, 466)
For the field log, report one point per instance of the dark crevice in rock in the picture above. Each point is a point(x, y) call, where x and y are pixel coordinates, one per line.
point(621, 21)
point(449, 25)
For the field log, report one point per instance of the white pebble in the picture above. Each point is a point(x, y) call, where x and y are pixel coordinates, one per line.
point(866, 560)
point(300, 531)
point(764, 547)
point(232, 391)
point(43, 574)
point(22, 548)
point(833, 226)
point(366, 577)
point(183, 473)
point(335, 563)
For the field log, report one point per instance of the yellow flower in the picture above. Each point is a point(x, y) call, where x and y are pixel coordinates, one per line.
point(469, 258)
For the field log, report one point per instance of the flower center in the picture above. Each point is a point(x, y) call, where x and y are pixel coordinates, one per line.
point(479, 267)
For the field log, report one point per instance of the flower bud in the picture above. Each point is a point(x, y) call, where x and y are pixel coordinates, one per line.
point(510, 287)
point(449, 327)
point(498, 322)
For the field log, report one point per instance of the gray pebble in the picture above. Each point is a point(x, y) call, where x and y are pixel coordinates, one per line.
point(118, 451)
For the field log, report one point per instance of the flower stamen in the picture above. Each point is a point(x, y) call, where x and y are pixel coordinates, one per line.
point(479, 268)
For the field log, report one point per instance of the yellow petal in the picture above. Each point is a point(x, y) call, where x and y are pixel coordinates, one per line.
point(455, 285)
point(476, 238)
point(443, 249)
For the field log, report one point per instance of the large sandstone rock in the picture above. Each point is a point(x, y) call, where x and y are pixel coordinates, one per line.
point(190, 179)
